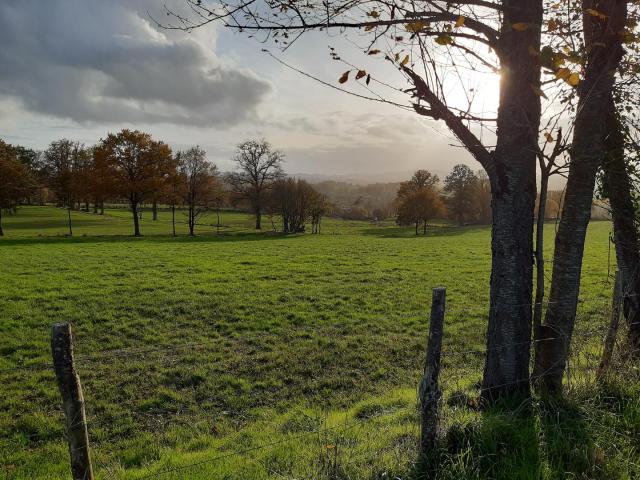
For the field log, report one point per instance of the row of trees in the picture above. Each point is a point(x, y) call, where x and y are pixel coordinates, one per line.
point(579, 57)
point(133, 167)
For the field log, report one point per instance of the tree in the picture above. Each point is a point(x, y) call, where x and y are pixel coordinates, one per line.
point(16, 181)
point(64, 165)
point(417, 201)
point(139, 166)
point(199, 183)
point(419, 207)
point(420, 38)
point(295, 201)
point(460, 188)
point(258, 167)
point(604, 28)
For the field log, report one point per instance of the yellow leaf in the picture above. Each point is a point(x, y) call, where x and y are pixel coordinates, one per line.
point(344, 77)
point(444, 40)
point(563, 73)
point(538, 91)
point(553, 25)
point(360, 74)
point(460, 21)
point(520, 26)
point(405, 60)
point(373, 14)
point(573, 80)
point(415, 27)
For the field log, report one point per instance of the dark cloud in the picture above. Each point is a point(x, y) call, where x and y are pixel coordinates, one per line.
point(97, 61)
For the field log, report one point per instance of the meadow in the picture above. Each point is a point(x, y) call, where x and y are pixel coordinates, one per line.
point(245, 355)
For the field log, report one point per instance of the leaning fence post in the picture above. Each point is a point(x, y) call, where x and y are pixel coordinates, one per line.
point(429, 393)
point(610, 340)
point(72, 401)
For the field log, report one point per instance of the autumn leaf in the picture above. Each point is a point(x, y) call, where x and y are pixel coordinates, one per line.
point(519, 26)
point(360, 74)
point(373, 14)
point(563, 73)
point(368, 28)
point(374, 52)
point(344, 77)
point(460, 21)
point(444, 40)
point(415, 27)
point(548, 136)
point(573, 80)
point(405, 60)
point(553, 25)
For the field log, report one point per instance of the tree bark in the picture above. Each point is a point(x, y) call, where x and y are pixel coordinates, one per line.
point(512, 173)
point(154, 208)
point(136, 219)
point(618, 187)
point(69, 221)
point(542, 211)
point(258, 218)
point(218, 221)
point(101, 208)
point(192, 220)
point(587, 153)
point(1, 230)
point(173, 219)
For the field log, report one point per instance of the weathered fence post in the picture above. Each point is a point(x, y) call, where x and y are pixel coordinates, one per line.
point(72, 401)
point(429, 393)
point(610, 340)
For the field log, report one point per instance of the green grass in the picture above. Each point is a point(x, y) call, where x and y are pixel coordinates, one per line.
point(191, 348)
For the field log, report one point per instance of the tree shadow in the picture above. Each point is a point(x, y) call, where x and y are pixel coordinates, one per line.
point(432, 231)
point(545, 438)
point(153, 238)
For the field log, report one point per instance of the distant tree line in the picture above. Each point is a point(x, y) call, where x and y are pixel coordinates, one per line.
point(132, 167)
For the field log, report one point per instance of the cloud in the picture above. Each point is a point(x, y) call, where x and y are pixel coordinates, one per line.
point(104, 62)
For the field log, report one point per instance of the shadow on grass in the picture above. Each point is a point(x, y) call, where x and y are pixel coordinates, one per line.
point(546, 439)
point(155, 238)
point(432, 231)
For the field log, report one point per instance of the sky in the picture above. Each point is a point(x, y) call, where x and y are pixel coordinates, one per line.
point(79, 69)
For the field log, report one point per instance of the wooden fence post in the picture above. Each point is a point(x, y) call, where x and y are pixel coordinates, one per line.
point(610, 340)
point(72, 401)
point(429, 393)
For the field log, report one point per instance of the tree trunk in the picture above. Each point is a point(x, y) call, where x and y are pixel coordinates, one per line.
point(258, 218)
point(542, 211)
point(586, 156)
point(155, 209)
point(69, 221)
point(173, 218)
point(218, 221)
point(136, 219)
point(512, 172)
point(424, 228)
point(192, 220)
point(95, 207)
point(102, 208)
point(1, 230)
point(417, 223)
point(618, 188)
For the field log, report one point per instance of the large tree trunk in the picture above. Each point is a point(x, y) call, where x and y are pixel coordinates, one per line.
point(192, 220)
point(258, 218)
point(587, 152)
point(154, 207)
point(617, 185)
point(1, 230)
point(513, 191)
point(136, 219)
point(542, 211)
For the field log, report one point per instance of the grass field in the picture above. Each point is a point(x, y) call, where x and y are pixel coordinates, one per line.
point(190, 349)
